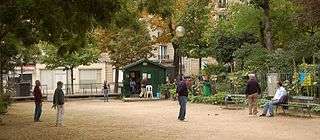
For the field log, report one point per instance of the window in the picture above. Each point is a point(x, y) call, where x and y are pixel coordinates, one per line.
point(222, 3)
point(89, 78)
point(50, 78)
point(163, 52)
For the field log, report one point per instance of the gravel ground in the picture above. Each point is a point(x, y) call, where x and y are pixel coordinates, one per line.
point(95, 119)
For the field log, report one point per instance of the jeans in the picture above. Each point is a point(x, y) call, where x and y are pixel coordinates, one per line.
point(105, 94)
point(37, 111)
point(268, 107)
point(183, 106)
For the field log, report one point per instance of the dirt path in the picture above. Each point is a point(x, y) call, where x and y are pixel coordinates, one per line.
point(95, 119)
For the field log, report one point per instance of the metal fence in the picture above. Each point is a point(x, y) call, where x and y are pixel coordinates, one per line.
point(290, 85)
point(78, 89)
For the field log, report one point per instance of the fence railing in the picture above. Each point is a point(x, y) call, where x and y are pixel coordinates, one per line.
point(78, 89)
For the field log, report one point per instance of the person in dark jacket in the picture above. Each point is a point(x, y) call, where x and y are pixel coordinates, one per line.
point(58, 102)
point(38, 101)
point(182, 93)
point(252, 92)
point(106, 89)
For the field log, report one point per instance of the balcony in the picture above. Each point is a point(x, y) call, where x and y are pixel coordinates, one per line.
point(164, 58)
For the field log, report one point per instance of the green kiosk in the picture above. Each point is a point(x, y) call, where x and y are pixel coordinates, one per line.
point(135, 72)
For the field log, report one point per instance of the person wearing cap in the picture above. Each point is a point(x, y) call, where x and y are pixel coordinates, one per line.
point(58, 102)
point(252, 92)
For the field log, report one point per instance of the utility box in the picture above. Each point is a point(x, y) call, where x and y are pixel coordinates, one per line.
point(272, 83)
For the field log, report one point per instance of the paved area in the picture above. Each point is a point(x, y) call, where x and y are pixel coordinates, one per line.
point(95, 119)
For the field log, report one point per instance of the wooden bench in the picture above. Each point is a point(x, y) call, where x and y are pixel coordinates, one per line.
point(236, 99)
point(300, 102)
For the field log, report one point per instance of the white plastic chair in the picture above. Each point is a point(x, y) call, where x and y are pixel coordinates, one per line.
point(149, 91)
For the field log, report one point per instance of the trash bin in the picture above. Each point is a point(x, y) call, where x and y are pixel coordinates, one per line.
point(207, 88)
point(23, 89)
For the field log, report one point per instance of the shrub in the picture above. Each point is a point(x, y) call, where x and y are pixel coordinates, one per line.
point(316, 109)
point(216, 99)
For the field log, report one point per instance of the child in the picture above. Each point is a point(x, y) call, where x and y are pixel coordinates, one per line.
point(58, 101)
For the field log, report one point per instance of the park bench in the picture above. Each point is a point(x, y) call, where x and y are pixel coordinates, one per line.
point(303, 103)
point(236, 99)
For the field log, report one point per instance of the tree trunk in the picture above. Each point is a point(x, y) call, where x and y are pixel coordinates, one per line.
point(176, 60)
point(200, 61)
point(71, 71)
point(67, 82)
point(267, 25)
point(116, 82)
point(176, 54)
point(1, 79)
point(262, 35)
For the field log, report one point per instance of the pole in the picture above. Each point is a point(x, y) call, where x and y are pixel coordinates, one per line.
point(67, 81)
point(200, 61)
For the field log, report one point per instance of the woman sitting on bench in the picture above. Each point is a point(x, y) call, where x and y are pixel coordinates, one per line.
point(277, 99)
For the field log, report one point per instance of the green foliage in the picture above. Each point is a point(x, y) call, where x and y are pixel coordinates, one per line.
point(195, 20)
point(5, 99)
point(237, 80)
point(316, 109)
point(83, 56)
point(216, 99)
point(127, 39)
point(218, 70)
point(169, 90)
point(253, 58)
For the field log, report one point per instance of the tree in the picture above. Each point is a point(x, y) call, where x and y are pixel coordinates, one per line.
point(126, 41)
point(195, 20)
point(165, 15)
point(60, 22)
point(265, 6)
point(309, 16)
point(83, 56)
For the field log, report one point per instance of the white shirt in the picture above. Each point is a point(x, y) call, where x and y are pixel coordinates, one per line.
point(279, 93)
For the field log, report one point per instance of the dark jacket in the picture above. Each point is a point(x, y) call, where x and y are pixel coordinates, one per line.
point(58, 98)
point(253, 87)
point(182, 88)
point(37, 95)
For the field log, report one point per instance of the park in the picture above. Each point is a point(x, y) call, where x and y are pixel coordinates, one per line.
point(95, 119)
point(160, 69)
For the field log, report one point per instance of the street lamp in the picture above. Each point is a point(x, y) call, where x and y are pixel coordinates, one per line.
point(180, 31)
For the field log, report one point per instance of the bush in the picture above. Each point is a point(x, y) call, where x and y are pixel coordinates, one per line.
point(216, 99)
point(316, 109)
point(169, 90)
point(5, 99)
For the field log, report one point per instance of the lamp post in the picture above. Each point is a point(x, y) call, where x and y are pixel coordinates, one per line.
point(180, 31)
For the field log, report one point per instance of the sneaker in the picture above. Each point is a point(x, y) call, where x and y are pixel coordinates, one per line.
point(271, 115)
point(262, 115)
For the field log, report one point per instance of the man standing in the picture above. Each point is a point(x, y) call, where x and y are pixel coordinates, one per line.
point(182, 92)
point(252, 91)
point(58, 102)
point(106, 88)
point(277, 99)
point(38, 101)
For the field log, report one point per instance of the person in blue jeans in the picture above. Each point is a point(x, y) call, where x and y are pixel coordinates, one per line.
point(38, 101)
point(182, 92)
point(268, 107)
